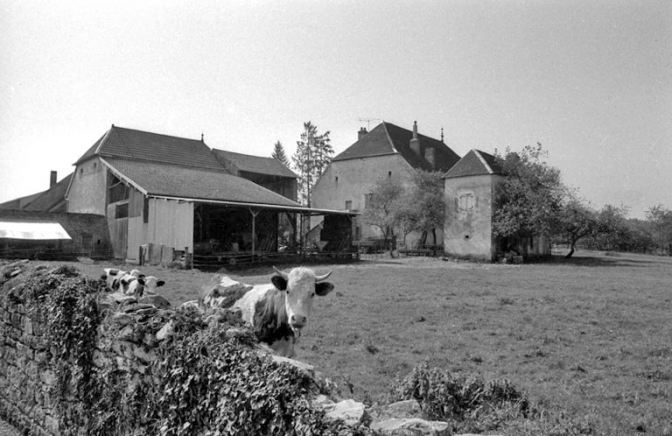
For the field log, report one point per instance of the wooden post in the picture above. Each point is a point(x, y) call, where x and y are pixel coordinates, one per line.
point(254, 230)
point(187, 264)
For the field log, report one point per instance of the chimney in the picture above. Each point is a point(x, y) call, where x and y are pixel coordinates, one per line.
point(430, 154)
point(361, 133)
point(415, 142)
point(52, 179)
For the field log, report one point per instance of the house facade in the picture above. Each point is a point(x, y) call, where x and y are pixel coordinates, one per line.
point(386, 151)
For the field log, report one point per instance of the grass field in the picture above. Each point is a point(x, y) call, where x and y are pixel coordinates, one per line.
point(591, 336)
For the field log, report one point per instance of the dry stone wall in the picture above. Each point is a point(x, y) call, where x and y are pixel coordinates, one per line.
point(31, 386)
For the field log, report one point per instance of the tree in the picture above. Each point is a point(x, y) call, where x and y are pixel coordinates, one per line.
point(382, 206)
point(660, 221)
point(279, 154)
point(530, 198)
point(575, 221)
point(423, 208)
point(313, 154)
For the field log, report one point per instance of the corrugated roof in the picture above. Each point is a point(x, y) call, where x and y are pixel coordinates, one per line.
point(131, 144)
point(32, 230)
point(161, 179)
point(255, 164)
point(387, 138)
point(474, 163)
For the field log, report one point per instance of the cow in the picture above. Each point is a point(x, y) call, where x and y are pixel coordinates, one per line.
point(279, 311)
point(143, 286)
point(112, 277)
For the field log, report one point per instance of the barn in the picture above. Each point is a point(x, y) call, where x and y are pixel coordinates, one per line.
point(177, 195)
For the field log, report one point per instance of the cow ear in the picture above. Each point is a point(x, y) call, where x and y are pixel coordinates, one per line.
point(323, 288)
point(279, 282)
point(160, 283)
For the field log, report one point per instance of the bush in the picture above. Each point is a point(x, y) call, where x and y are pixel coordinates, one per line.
point(467, 402)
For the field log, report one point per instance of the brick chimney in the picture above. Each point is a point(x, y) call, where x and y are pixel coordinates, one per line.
point(430, 156)
point(361, 133)
point(52, 179)
point(415, 142)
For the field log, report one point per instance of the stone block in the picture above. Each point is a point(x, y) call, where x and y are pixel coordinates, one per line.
point(400, 409)
point(411, 427)
point(349, 411)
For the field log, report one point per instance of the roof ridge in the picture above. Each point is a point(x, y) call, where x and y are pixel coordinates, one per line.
point(102, 141)
point(158, 134)
point(483, 161)
point(389, 138)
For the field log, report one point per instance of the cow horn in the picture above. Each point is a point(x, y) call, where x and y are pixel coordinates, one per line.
point(282, 273)
point(324, 277)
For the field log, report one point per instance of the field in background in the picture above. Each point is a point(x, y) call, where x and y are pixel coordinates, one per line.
point(591, 336)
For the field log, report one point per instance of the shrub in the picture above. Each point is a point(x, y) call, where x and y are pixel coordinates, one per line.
point(467, 402)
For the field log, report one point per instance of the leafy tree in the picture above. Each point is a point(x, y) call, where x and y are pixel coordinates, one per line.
point(576, 220)
point(279, 154)
point(423, 206)
point(530, 198)
point(382, 207)
point(313, 154)
point(660, 221)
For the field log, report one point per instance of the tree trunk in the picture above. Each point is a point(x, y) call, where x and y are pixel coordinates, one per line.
point(571, 250)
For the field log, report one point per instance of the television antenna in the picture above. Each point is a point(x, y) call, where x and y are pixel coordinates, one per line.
point(368, 121)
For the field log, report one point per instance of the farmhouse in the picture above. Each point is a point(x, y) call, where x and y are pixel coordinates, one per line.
point(470, 189)
point(386, 151)
point(175, 193)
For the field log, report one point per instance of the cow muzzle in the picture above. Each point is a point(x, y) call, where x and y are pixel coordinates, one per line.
point(297, 322)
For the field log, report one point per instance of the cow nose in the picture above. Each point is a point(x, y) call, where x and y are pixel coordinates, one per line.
point(298, 320)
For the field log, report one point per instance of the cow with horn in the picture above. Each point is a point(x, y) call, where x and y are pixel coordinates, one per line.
point(279, 311)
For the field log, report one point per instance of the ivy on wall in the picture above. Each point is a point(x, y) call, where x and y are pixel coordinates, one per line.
point(201, 382)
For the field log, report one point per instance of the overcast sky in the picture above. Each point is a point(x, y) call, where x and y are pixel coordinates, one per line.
point(590, 80)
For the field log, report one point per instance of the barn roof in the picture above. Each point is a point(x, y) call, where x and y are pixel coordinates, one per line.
point(53, 199)
point(255, 164)
point(474, 163)
point(137, 145)
point(387, 138)
point(167, 180)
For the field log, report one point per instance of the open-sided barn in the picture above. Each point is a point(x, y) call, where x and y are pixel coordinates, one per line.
point(160, 190)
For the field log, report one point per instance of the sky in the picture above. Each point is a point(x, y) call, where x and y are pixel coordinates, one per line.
point(590, 81)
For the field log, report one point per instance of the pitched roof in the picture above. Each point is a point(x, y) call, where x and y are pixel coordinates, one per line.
point(255, 164)
point(19, 203)
point(53, 199)
point(137, 145)
point(475, 163)
point(161, 179)
point(387, 138)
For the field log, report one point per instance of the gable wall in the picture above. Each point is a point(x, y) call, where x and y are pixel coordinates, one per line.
point(468, 230)
point(356, 178)
point(88, 190)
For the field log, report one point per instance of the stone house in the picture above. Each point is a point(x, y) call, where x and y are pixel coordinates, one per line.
point(470, 190)
point(386, 151)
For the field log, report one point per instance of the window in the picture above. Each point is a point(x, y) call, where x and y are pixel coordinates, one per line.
point(348, 204)
point(466, 202)
point(389, 174)
point(336, 180)
point(121, 211)
point(368, 201)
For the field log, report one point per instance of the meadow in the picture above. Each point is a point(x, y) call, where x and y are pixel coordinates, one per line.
point(588, 338)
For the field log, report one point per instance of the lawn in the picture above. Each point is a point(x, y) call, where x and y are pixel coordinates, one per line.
point(591, 336)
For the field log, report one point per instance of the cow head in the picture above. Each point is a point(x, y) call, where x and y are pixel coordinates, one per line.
point(301, 285)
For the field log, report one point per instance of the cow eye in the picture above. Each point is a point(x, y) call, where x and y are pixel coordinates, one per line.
point(312, 295)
